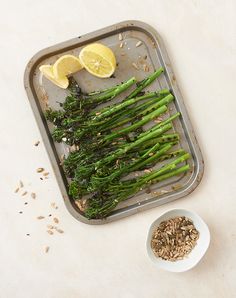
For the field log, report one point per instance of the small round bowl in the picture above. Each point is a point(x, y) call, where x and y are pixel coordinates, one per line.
point(195, 255)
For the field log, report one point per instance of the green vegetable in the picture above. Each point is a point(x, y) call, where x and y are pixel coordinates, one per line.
point(113, 144)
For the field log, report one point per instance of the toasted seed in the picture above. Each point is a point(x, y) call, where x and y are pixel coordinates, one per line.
point(46, 249)
point(145, 68)
point(56, 220)
point(135, 65)
point(59, 231)
point(17, 189)
point(24, 193)
point(46, 174)
point(40, 217)
point(50, 232)
point(36, 143)
point(33, 195)
point(120, 37)
point(40, 170)
point(50, 227)
point(21, 184)
point(138, 44)
point(121, 45)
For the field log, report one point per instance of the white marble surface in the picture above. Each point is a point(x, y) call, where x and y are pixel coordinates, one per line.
point(111, 261)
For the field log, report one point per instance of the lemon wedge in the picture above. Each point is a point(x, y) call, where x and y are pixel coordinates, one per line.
point(98, 59)
point(66, 65)
point(47, 71)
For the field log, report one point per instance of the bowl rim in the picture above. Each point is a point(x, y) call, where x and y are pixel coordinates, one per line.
point(150, 253)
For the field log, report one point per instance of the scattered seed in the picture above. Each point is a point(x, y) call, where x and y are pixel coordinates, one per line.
point(24, 193)
point(122, 54)
point(46, 177)
point(138, 44)
point(46, 249)
point(164, 191)
point(40, 170)
point(120, 37)
point(17, 189)
point(59, 231)
point(64, 139)
point(151, 154)
point(50, 215)
point(147, 171)
point(121, 45)
point(26, 203)
point(50, 227)
point(33, 195)
point(27, 234)
point(53, 205)
point(41, 178)
point(135, 65)
point(46, 174)
point(56, 220)
point(36, 143)
point(40, 217)
point(72, 148)
point(21, 184)
point(20, 212)
point(50, 232)
point(145, 68)
point(62, 157)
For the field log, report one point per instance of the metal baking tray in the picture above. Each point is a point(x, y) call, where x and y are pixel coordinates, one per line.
point(153, 53)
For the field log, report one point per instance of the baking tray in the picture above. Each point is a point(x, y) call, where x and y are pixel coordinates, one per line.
point(152, 53)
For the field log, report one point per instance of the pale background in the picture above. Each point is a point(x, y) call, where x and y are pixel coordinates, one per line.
point(111, 261)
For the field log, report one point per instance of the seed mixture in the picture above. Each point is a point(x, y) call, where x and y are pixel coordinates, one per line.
point(174, 239)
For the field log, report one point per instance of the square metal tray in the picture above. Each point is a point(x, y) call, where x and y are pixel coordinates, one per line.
point(152, 53)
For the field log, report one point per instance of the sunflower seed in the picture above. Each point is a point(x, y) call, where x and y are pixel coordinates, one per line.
point(46, 249)
point(139, 43)
point(59, 231)
point(17, 189)
point(45, 174)
point(56, 220)
point(40, 170)
point(36, 143)
point(40, 217)
point(145, 68)
point(33, 195)
point(135, 65)
point(21, 184)
point(24, 193)
point(120, 37)
point(50, 232)
point(121, 45)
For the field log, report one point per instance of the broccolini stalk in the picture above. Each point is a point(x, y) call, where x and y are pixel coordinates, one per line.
point(146, 82)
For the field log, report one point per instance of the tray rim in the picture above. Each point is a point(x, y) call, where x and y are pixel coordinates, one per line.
point(41, 122)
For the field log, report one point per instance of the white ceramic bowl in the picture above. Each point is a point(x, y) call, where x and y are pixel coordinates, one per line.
point(195, 255)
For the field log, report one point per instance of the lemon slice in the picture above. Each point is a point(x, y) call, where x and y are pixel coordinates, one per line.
point(47, 71)
point(98, 59)
point(66, 65)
